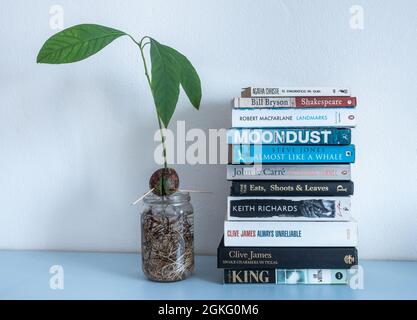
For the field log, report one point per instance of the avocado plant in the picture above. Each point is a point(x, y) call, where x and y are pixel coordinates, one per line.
point(169, 71)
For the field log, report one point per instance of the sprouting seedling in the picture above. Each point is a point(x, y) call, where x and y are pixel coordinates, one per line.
point(169, 70)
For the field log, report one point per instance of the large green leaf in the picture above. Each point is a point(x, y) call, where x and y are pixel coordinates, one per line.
point(166, 75)
point(77, 43)
point(190, 81)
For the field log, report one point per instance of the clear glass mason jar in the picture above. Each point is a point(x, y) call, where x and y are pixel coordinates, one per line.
point(167, 237)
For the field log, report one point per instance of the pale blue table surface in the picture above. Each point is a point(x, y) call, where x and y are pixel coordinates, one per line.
point(25, 275)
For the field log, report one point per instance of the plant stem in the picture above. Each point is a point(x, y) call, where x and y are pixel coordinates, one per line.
point(150, 86)
point(164, 152)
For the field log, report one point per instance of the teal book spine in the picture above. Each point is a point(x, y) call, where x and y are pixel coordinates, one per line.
point(247, 154)
point(290, 136)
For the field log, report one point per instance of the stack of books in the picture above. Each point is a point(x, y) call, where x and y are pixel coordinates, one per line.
point(289, 212)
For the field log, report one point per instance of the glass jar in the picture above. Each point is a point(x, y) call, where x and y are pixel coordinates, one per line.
point(167, 237)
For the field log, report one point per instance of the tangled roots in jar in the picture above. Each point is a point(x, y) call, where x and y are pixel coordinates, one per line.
point(167, 247)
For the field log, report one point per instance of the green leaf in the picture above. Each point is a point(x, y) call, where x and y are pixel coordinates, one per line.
point(165, 80)
point(190, 81)
point(77, 43)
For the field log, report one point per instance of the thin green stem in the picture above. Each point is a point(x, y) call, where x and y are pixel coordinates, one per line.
point(163, 139)
point(145, 44)
point(133, 39)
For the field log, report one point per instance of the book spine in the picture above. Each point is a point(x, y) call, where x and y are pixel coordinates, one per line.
point(275, 118)
point(292, 188)
point(289, 172)
point(251, 276)
point(294, 92)
point(297, 102)
point(289, 209)
point(286, 257)
point(290, 234)
point(287, 136)
point(286, 276)
point(247, 154)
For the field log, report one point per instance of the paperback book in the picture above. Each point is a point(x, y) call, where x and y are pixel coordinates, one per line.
point(247, 154)
point(286, 276)
point(295, 102)
point(238, 257)
point(291, 188)
point(294, 91)
point(289, 136)
point(275, 118)
point(289, 172)
point(289, 208)
point(290, 233)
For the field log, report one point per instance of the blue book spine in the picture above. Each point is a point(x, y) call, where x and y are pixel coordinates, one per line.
point(246, 154)
point(310, 136)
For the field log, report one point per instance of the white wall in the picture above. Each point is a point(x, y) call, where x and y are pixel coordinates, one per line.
point(76, 141)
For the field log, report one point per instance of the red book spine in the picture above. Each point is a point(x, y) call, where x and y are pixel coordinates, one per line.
point(325, 102)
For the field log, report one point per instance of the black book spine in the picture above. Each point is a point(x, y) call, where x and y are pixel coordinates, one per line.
point(270, 207)
point(260, 276)
point(291, 188)
point(286, 257)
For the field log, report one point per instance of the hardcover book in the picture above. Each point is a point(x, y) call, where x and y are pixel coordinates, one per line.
point(291, 188)
point(289, 172)
point(281, 118)
point(294, 91)
point(288, 136)
point(286, 276)
point(296, 102)
point(289, 208)
point(247, 154)
point(290, 234)
point(238, 257)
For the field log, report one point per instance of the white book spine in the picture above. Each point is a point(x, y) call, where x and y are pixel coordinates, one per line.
point(290, 234)
point(264, 103)
point(272, 208)
point(294, 91)
point(289, 172)
point(284, 118)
